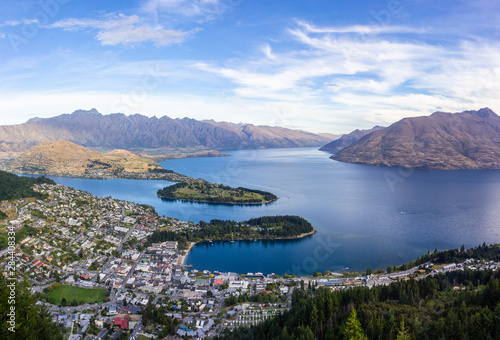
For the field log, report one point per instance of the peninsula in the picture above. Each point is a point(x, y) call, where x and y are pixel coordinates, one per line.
point(203, 191)
point(261, 228)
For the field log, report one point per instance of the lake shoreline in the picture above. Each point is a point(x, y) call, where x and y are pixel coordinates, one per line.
point(182, 258)
point(217, 203)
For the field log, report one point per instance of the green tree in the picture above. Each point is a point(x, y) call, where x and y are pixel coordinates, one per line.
point(403, 333)
point(30, 321)
point(353, 330)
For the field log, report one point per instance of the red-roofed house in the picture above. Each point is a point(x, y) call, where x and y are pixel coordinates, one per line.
point(122, 321)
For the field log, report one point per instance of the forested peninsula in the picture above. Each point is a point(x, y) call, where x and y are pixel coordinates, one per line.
point(262, 228)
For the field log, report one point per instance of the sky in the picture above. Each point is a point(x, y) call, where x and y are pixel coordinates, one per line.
point(317, 65)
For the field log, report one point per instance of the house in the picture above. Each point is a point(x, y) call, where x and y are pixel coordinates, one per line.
point(112, 310)
point(122, 322)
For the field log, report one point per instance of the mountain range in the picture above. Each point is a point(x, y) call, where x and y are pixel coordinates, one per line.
point(444, 141)
point(348, 139)
point(148, 134)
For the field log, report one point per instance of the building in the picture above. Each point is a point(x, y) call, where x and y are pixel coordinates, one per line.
point(122, 322)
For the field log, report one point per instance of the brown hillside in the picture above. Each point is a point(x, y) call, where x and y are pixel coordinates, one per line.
point(466, 140)
point(64, 156)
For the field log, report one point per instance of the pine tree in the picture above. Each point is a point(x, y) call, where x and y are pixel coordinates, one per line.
point(353, 330)
point(403, 333)
point(31, 321)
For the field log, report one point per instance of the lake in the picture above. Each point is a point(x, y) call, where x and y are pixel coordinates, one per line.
point(365, 216)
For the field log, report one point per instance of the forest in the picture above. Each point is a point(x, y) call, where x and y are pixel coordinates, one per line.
point(14, 187)
point(267, 227)
point(456, 305)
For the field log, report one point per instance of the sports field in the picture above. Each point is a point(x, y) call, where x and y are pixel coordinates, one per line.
point(81, 295)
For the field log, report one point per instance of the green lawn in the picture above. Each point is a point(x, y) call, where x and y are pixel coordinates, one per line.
point(82, 295)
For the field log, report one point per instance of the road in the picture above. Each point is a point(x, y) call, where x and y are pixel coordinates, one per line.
point(136, 330)
point(125, 239)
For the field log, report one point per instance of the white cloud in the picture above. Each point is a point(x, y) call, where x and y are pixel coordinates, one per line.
point(19, 22)
point(198, 10)
point(378, 73)
point(120, 29)
point(358, 29)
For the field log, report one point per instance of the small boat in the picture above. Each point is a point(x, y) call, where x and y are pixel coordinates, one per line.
point(231, 241)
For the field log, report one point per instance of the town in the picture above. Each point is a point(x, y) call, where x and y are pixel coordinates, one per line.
point(91, 263)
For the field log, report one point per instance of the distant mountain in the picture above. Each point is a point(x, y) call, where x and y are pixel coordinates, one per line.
point(66, 157)
point(139, 133)
point(346, 140)
point(445, 141)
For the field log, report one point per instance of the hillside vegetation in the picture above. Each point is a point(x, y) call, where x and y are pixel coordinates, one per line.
point(13, 186)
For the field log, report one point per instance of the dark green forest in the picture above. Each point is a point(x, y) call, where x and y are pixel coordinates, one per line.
point(267, 227)
point(456, 305)
point(13, 186)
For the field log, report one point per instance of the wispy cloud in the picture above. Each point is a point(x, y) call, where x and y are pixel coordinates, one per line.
point(358, 29)
point(154, 22)
point(18, 22)
point(198, 10)
point(369, 69)
point(120, 29)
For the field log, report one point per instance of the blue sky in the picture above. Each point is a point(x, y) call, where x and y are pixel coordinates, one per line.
point(319, 65)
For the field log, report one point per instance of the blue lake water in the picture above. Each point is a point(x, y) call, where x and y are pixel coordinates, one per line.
point(365, 216)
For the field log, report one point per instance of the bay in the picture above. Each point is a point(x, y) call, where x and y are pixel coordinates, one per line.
point(365, 216)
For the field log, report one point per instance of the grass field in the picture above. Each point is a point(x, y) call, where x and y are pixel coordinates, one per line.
point(81, 295)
